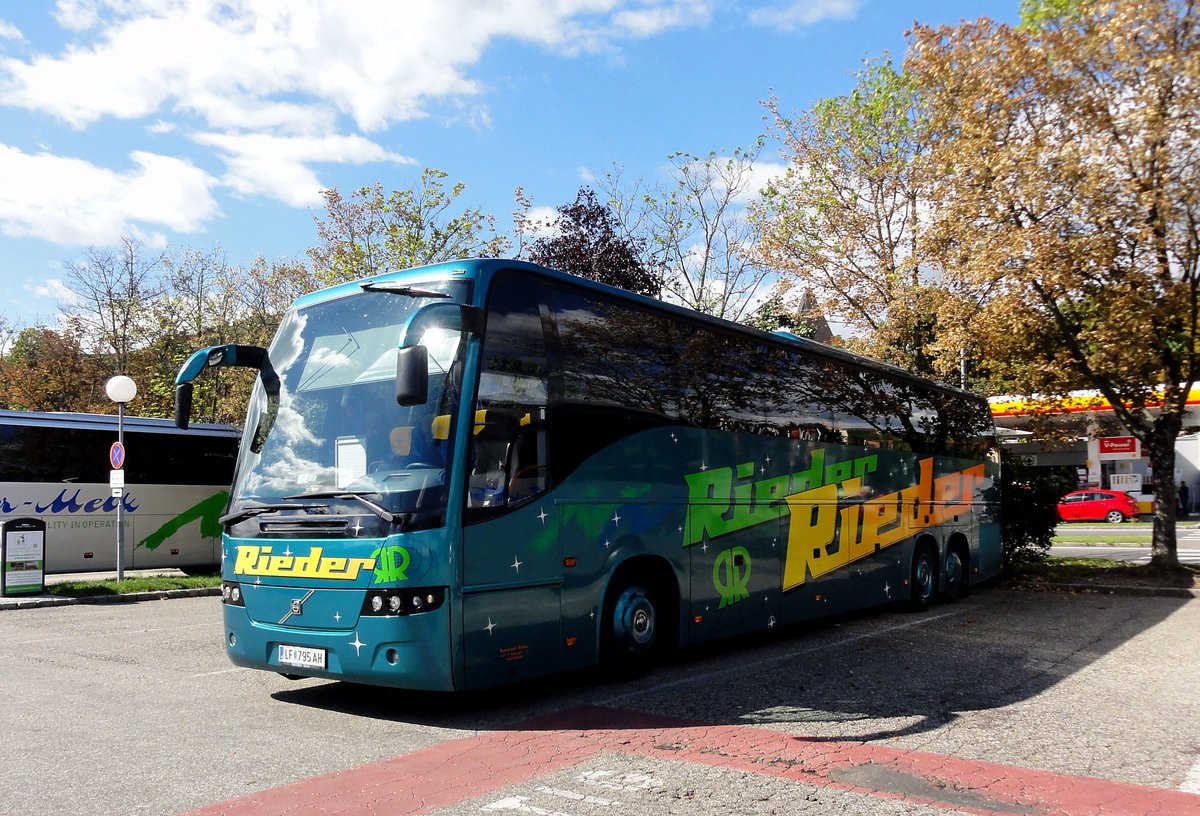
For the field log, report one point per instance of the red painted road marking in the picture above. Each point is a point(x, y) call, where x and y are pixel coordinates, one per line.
point(458, 770)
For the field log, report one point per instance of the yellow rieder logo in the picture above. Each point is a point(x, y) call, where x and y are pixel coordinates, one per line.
point(255, 560)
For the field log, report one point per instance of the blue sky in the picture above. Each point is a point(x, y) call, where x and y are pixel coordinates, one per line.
point(197, 123)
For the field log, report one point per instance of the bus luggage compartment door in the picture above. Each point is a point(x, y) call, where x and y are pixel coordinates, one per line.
point(735, 582)
point(510, 634)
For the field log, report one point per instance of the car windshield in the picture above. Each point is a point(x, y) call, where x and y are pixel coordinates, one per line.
point(336, 428)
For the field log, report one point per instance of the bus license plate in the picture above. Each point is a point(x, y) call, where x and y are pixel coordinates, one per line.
point(302, 656)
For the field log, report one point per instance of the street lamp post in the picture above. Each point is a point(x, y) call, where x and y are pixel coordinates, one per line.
point(120, 389)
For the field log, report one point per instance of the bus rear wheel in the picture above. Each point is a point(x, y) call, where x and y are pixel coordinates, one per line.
point(924, 578)
point(632, 629)
point(955, 574)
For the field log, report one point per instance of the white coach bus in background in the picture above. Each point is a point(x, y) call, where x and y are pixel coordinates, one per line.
point(55, 467)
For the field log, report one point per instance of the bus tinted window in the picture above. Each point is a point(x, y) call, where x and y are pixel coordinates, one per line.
point(49, 454)
point(509, 457)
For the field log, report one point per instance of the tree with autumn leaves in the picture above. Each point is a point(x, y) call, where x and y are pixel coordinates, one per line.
point(1063, 172)
point(1018, 205)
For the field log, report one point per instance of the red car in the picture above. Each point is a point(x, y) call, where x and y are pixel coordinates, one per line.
point(1093, 504)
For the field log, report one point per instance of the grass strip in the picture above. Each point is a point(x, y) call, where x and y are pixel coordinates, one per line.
point(87, 589)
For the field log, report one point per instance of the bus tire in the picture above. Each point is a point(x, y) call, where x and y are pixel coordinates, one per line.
point(954, 573)
point(923, 579)
point(633, 629)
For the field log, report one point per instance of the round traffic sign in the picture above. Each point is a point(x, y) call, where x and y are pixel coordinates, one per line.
point(116, 455)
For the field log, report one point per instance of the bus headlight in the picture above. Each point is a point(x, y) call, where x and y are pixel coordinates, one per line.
point(231, 593)
point(403, 601)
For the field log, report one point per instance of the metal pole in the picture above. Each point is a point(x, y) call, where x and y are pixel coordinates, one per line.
point(120, 499)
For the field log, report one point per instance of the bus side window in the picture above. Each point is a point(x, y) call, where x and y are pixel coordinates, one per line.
point(509, 449)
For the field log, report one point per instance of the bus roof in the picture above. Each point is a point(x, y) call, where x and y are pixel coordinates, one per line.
point(482, 269)
point(106, 422)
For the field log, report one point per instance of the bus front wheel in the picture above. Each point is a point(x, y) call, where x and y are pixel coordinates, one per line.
point(632, 623)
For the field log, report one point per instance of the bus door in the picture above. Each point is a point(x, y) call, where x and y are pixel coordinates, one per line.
point(512, 566)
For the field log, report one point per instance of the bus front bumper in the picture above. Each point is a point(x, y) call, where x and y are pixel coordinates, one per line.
point(410, 651)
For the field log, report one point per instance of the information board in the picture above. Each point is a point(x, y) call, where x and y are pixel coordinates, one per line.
point(22, 557)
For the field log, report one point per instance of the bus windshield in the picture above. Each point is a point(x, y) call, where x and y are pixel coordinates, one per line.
point(336, 428)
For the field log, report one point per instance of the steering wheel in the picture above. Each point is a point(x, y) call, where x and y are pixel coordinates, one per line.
point(523, 473)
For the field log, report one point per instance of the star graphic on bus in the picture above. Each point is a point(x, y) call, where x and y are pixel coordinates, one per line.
point(542, 516)
point(516, 564)
point(357, 644)
point(490, 626)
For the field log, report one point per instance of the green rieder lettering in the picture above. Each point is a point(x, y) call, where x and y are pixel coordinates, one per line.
point(726, 500)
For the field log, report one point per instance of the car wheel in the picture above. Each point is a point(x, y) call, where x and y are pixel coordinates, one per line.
point(1114, 517)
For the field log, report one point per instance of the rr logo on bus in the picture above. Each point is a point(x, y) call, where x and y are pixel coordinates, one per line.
point(731, 573)
point(390, 564)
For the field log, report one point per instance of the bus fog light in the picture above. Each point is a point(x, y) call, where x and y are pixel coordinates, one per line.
point(417, 602)
point(394, 603)
point(232, 640)
point(376, 603)
point(231, 593)
point(392, 656)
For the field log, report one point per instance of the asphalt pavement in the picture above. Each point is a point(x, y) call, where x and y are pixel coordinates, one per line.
point(1004, 702)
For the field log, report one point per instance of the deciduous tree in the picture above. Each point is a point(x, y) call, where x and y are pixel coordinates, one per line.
point(695, 231)
point(587, 241)
point(370, 232)
point(114, 290)
point(1067, 158)
point(844, 220)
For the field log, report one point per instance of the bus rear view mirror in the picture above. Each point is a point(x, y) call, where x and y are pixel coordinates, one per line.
point(412, 376)
point(183, 405)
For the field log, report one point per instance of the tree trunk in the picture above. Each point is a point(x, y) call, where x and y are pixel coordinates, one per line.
point(1163, 552)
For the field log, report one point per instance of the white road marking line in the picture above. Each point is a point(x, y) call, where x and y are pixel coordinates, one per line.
point(1191, 783)
point(222, 671)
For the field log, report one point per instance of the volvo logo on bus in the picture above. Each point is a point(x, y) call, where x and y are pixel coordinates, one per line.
point(297, 606)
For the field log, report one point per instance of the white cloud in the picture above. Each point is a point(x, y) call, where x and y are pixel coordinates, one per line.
point(761, 174)
point(274, 88)
point(295, 65)
point(655, 17)
point(8, 31)
point(798, 13)
point(278, 166)
point(541, 223)
point(71, 201)
point(58, 290)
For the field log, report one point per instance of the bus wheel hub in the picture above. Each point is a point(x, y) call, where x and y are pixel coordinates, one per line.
point(634, 619)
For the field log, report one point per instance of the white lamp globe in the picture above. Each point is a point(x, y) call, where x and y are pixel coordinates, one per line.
point(120, 388)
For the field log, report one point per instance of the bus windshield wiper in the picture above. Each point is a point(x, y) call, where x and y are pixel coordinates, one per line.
point(400, 289)
point(252, 510)
point(379, 510)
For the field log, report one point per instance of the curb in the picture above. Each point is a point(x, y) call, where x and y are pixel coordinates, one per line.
point(42, 601)
point(1106, 589)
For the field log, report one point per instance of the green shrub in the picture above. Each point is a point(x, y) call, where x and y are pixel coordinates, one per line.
point(1028, 505)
